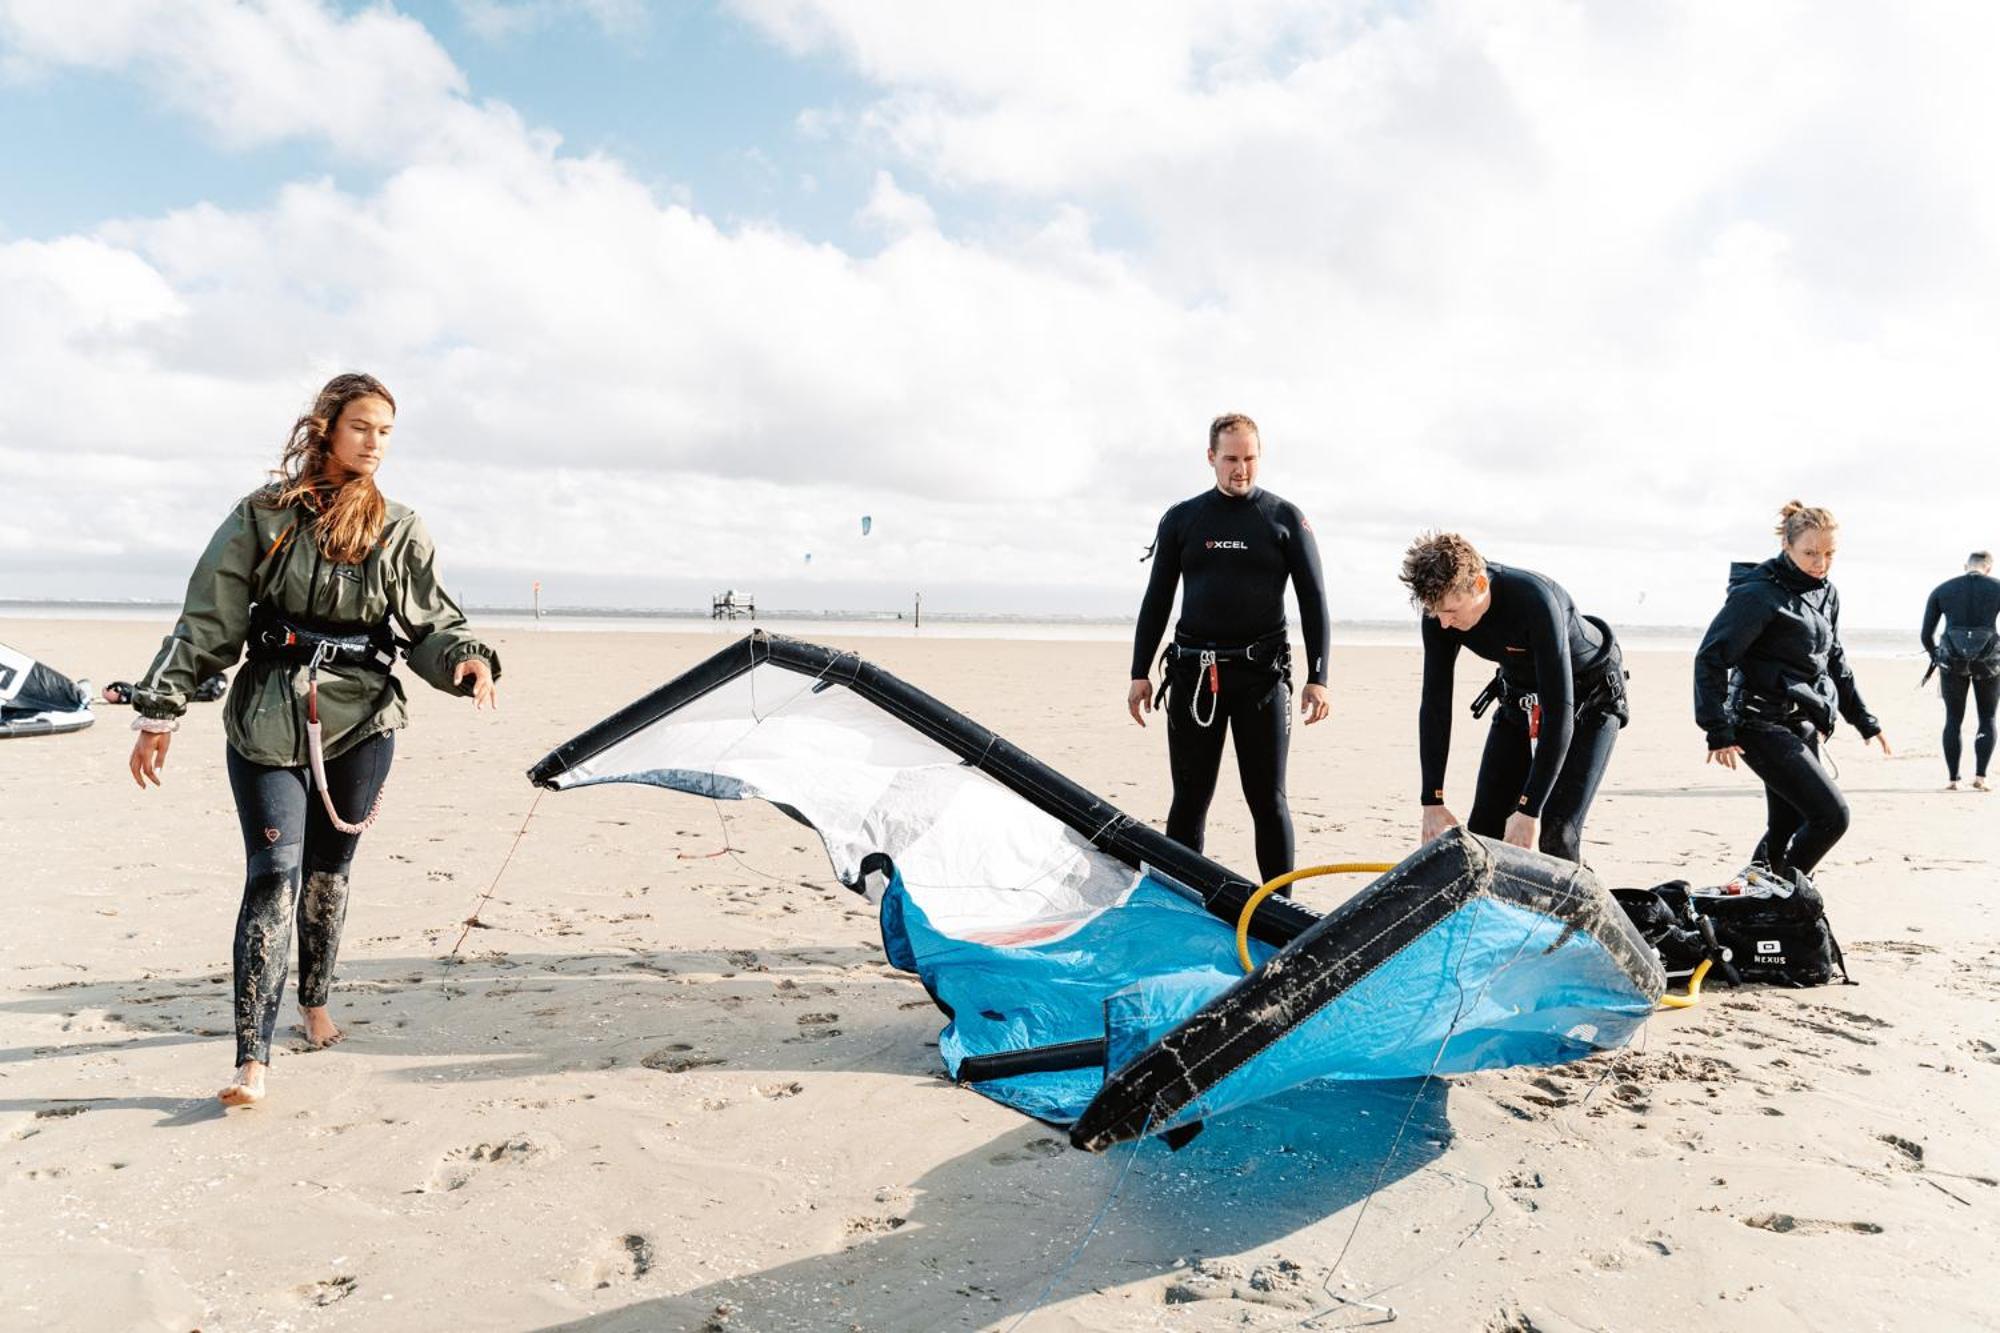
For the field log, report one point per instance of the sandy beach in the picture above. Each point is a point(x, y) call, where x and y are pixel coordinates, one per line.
point(672, 1083)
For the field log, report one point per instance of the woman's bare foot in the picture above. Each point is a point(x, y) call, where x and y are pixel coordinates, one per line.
point(1952, 785)
point(248, 1089)
point(1979, 784)
point(319, 1027)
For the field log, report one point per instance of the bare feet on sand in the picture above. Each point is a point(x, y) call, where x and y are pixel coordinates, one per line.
point(1952, 785)
point(319, 1028)
point(1979, 784)
point(247, 1089)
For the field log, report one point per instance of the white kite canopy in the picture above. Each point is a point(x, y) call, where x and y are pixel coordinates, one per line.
point(983, 864)
point(36, 699)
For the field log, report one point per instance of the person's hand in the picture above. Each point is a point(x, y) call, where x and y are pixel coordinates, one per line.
point(149, 756)
point(1521, 830)
point(1880, 738)
point(1726, 755)
point(1436, 820)
point(485, 693)
point(1313, 703)
point(1139, 699)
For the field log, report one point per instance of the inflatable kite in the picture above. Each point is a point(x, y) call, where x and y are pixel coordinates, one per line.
point(1090, 968)
point(38, 700)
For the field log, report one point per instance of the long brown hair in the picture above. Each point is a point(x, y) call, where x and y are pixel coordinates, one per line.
point(352, 513)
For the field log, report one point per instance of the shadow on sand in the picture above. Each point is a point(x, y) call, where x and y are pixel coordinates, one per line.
point(977, 1239)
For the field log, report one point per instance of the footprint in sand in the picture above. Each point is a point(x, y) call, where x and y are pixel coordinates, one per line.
point(816, 1028)
point(1519, 1187)
point(678, 1058)
point(1983, 1050)
point(631, 1258)
point(1913, 1151)
point(461, 1166)
point(874, 1226)
point(327, 1291)
point(1909, 948)
point(1787, 1225)
point(1280, 1283)
point(772, 1092)
point(1028, 1152)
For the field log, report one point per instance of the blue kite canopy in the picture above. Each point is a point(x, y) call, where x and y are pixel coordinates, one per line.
point(1088, 964)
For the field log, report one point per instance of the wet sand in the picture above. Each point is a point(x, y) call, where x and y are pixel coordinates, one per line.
point(671, 1082)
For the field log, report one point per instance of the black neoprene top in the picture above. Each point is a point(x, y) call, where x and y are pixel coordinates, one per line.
point(1533, 631)
point(1970, 601)
point(1234, 554)
point(1776, 641)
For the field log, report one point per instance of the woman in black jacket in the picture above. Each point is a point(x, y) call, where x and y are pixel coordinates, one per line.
point(1769, 679)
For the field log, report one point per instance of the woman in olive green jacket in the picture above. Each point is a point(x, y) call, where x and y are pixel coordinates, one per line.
point(314, 575)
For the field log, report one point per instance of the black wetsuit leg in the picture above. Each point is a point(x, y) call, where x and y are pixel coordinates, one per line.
point(288, 842)
point(1194, 754)
point(1954, 689)
point(1985, 694)
point(1254, 708)
point(1576, 786)
point(1503, 775)
point(1807, 814)
point(1260, 721)
point(1986, 697)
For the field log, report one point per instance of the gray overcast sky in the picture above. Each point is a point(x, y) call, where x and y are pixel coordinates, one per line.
point(669, 302)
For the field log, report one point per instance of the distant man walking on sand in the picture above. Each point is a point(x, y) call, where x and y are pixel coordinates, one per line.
point(1229, 667)
point(1967, 658)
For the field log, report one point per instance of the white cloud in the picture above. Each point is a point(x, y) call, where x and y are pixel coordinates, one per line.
point(501, 20)
point(1600, 286)
point(892, 210)
point(373, 85)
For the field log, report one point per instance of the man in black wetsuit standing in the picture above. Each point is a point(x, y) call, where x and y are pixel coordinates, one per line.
point(1229, 666)
point(1968, 656)
point(1560, 687)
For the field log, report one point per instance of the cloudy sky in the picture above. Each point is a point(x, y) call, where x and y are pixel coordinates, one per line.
point(672, 294)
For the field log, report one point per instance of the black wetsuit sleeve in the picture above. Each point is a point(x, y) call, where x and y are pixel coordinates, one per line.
point(1434, 711)
point(1735, 627)
point(1555, 691)
point(1933, 613)
point(1158, 602)
point(1309, 585)
point(1851, 707)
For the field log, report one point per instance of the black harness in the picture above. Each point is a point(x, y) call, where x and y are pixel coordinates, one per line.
point(1272, 652)
point(1598, 686)
point(1966, 651)
point(275, 637)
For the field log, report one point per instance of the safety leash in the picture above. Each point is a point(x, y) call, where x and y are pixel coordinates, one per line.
point(1211, 673)
point(316, 753)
